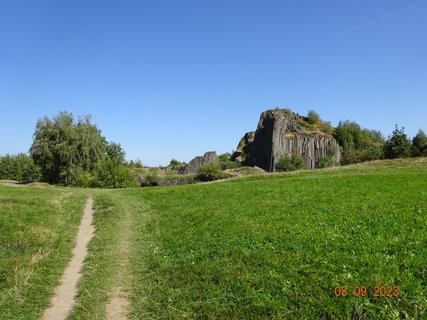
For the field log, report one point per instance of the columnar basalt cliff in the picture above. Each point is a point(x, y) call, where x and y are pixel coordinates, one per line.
point(281, 132)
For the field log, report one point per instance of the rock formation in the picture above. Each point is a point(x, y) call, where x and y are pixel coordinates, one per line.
point(281, 132)
point(197, 162)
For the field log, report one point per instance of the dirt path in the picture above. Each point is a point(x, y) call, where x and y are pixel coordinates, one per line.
point(64, 298)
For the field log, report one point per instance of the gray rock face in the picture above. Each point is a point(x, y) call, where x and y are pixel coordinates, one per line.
point(240, 154)
point(197, 162)
point(281, 133)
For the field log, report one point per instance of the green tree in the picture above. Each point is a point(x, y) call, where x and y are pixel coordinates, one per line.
point(313, 117)
point(19, 167)
point(115, 152)
point(419, 144)
point(63, 147)
point(398, 145)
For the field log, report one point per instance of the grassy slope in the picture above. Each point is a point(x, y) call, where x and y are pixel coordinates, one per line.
point(103, 271)
point(276, 246)
point(37, 232)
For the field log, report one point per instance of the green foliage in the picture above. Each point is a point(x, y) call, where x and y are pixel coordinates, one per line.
point(19, 167)
point(374, 151)
point(135, 164)
point(229, 164)
point(419, 144)
point(210, 172)
point(63, 147)
point(358, 144)
point(323, 162)
point(291, 163)
point(398, 145)
point(110, 174)
point(313, 117)
point(226, 156)
point(327, 128)
point(115, 152)
point(86, 180)
point(225, 162)
point(175, 163)
point(73, 152)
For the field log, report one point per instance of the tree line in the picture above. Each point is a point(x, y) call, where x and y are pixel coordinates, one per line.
point(72, 152)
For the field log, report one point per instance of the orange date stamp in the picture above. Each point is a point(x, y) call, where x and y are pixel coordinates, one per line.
point(363, 291)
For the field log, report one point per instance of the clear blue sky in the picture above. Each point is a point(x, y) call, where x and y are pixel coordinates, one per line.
point(173, 79)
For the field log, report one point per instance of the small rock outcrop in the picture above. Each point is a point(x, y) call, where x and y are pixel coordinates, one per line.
point(281, 132)
point(197, 162)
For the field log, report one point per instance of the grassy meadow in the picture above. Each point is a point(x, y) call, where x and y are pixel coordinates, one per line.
point(38, 227)
point(265, 247)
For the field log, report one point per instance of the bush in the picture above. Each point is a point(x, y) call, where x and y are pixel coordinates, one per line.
point(398, 145)
point(372, 152)
point(226, 156)
point(135, 164)
point(175, 163)
point(210, 172)
point(291, 163)
point(229, 165)
point(19, 167)
point(323, 162)
point(313, 117)
point(86, 180)
point(111, 174)
point(327, 127)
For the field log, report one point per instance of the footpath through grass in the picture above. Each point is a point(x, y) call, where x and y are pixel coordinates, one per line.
point(275, 247)
point(37, 232)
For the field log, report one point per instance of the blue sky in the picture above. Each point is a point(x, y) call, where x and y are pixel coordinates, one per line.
point(173, 79)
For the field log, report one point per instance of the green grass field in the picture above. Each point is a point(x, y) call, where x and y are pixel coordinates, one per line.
point(267, 247)
point(37, 231)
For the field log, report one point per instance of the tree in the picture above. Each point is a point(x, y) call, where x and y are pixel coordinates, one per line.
point(398, 145)
point(419, 144)
point(313, 117)
point(19, 167)
point(63, 147)
point(115, 152)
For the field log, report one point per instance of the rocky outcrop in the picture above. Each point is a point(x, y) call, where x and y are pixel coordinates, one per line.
point(282, 133)
point(197, 162)
point(146, 180)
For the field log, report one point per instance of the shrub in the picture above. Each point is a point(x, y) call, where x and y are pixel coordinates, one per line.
point(229, 165)
point(313, 117)
point(175, 163)
point(135, 164)
point(327, 127)
point(111, 174)
point(86, 180)
point(210, 172)
point(19, 167)
point(372, 152)
point(323, 162)
point(291, 163)
point(398, 145)
point(226, 156)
